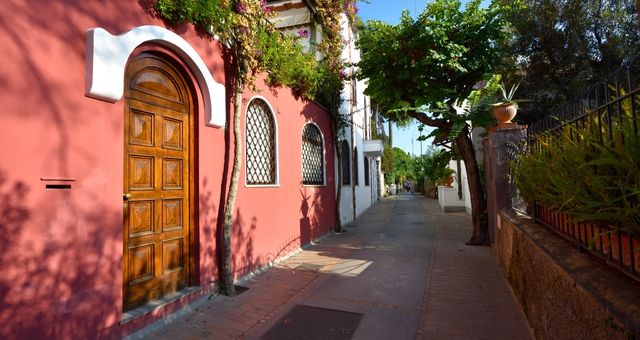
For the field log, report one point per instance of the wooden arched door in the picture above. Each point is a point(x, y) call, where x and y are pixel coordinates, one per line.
point(158, 160)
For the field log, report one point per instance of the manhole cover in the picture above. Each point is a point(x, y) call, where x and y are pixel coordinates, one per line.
point(306, 322)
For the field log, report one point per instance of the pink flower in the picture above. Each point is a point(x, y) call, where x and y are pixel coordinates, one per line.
point(265, 8)
point(303, 33)
point(240, 7)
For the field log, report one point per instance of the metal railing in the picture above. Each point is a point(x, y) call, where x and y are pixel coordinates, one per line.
point(606, 101)
point(602, 108)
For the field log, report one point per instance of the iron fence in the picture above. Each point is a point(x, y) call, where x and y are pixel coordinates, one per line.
point(604, 108)
point(606, 101)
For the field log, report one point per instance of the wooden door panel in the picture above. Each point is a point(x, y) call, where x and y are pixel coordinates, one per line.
point(171, 215)
point(141, 128)
point(141, 263)
point(141, 218)
point(157, 181)
point(172, 173)
point(172, 133)
point(172, 258)
point(141, 172)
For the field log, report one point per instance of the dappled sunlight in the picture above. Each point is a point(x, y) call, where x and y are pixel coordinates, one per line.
point(348, 267)
point(318, 261)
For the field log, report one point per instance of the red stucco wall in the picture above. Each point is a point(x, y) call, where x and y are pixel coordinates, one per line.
point(61, 250)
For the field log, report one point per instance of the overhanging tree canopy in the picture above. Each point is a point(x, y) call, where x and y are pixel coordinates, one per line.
point(420, 67)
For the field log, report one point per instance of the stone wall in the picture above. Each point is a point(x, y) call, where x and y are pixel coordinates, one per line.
point(565, 294)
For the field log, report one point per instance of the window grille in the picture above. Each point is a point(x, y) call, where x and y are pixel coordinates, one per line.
point(346, 169)
point(366, 171)
point(355, 166)
point(261, 144)
point(312, 156)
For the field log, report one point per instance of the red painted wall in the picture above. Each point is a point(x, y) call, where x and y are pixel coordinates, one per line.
point(61, 250)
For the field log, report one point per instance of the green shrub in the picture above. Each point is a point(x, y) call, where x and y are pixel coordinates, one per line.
point(574, 173)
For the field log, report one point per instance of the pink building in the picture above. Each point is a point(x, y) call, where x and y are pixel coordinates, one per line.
point(116, 155)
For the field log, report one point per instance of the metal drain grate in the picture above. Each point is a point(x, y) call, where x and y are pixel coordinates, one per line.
point(306, 322)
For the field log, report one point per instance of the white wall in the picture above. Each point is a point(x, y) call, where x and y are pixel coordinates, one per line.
point(450, 196)
point(359, 107)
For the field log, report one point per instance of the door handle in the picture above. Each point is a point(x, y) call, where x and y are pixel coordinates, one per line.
point(125, 199)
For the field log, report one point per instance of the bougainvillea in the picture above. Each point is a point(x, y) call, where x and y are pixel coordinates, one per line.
point(244, 25)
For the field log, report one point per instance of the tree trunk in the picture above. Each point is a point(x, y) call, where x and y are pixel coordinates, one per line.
point(480, 234)
point(390, 134)
point(336, 143)
point(354, 159)
point(226, 272)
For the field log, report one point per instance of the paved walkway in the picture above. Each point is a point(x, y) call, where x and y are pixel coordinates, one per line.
point(403, 265)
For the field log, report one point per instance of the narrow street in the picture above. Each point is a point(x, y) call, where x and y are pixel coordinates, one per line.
point(400, 271)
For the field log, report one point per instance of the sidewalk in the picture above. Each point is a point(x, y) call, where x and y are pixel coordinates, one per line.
point(401, 271)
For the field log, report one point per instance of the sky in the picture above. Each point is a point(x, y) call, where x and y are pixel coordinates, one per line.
point(389, 11)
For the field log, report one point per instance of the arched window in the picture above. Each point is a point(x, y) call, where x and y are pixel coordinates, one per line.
point(345, 164)
point(261, 167)
point(312, 156)
point(355, 165)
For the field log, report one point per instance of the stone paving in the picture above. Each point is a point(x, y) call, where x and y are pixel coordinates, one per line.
point(402, 264)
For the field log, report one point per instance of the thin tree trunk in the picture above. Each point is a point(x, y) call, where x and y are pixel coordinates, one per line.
point(226, 274)
point(390, 134)
point(354, 159)
point(336, 143)
point(480, 234)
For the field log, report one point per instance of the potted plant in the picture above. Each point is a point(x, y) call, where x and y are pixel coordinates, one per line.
point(445, 177)
point(507, 109)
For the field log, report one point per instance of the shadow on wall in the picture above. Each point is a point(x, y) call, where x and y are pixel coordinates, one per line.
point(312, 208)
point(208, 219)
point(54, 275)
point(32, 33)
point(244, 232)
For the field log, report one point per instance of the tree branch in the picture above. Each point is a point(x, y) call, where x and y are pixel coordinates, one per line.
point(426, 120)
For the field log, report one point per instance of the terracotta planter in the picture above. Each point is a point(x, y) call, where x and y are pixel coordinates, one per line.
point(504, 113)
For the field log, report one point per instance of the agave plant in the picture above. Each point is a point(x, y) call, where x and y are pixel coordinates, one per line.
point(507, 97)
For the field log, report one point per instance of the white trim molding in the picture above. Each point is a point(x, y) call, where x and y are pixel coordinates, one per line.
point(106, 61)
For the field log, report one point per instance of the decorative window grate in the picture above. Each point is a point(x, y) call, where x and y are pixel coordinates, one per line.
point(261, 144)
point(345, 164)
point(355, 166)
point(366, 171)
point(312, 156)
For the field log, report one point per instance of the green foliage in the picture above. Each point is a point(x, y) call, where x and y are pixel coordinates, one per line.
point(567, 45)
point(207, 15)
point(481, 100)
point(289, 64)
point(261, 48)
point(433, 165)
point(575, 173)
point(436, 58)
point(398, 166)
point(507, 96)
